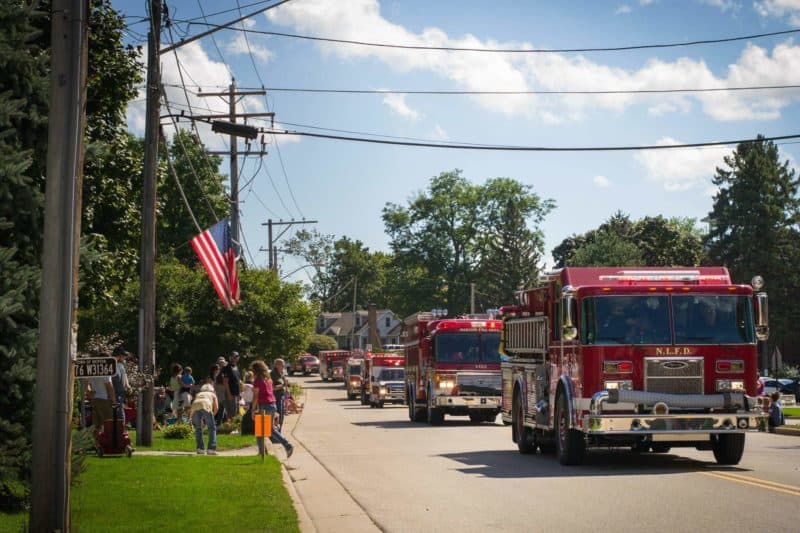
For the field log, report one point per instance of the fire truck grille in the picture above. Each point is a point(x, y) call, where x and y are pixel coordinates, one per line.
point(674, 375)
point(479, 384)
point(395, 388)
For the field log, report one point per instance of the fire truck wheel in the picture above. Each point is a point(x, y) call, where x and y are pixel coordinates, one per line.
point(364, 400)
point(291, 372)
point(379, 405)
point(351, 396)
point(570, 446)
point(728, 449)
point(660, 448)
point(476, 418)
point(435, 414)
point(526, 440)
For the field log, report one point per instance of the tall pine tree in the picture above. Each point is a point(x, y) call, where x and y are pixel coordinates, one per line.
point(754, 229)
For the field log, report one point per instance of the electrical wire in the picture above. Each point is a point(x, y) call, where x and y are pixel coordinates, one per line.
point(507, 50)
point(180, 189)
point(531, 92)
point(532, 148)
point(204, 17)
point(214, 41)
point(286, 176)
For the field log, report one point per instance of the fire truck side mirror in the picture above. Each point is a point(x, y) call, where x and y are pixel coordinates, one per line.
point(762, 316)
point(568, 329)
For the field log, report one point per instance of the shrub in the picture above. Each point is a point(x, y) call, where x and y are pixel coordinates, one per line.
point(178, 431)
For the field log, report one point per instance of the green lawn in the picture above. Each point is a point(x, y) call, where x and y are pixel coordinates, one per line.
point(196, 493)
point(791, 411)
point(179, 493)
point(224, 442)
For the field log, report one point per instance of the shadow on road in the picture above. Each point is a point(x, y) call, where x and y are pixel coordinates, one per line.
point(408, 424)
point(510, 464)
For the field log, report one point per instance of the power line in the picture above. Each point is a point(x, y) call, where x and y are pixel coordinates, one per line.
point(533, 148)
point(505, 50)
point(286, 177)
point(238, 8)
point(532, 92)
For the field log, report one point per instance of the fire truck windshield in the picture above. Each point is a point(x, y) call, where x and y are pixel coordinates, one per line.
point(391, 374)
point(697, 319)
point(354, 369)
point(468, 348)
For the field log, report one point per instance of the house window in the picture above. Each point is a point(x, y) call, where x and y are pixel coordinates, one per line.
point(388, 321)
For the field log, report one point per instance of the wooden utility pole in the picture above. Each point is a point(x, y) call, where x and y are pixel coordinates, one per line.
point(233, 96)
point(147, 299)
point(50, 483)
point(472, 298)
point(271, 248)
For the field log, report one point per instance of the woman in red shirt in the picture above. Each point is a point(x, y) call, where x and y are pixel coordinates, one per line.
point(264, 402)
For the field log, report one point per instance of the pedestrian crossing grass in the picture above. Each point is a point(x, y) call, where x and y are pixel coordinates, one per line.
point(183, 493)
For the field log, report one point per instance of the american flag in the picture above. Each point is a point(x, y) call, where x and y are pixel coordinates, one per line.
point(215, 249)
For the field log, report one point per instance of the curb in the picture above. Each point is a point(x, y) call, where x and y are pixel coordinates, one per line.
point(303, 520)
point(783, 430)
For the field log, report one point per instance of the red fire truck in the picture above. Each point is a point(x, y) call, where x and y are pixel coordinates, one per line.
point(452, 367)
point(647, 358)
point(382, 379)
point(331, 364)
point(352, 377)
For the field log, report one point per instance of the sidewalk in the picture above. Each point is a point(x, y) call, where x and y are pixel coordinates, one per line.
point(326, 501)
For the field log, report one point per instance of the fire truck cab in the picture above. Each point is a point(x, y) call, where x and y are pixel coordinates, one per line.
point(452, 367)
point(352, 377)
point(382, 379)
point(331, 364)
point(646, 358)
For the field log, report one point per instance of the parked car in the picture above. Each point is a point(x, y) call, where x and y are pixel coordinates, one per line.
point(305, 364)
point(791, 387)
point(770, 385)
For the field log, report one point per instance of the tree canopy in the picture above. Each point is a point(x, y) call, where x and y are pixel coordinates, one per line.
point(755, 229)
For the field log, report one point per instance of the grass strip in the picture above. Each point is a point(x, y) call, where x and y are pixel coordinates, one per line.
point(224, 442)
point(187, 493)
point(791, 411)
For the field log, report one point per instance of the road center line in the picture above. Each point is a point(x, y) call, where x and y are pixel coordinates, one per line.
point(769, 485)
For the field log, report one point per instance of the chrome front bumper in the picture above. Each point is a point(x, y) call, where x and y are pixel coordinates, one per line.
point(676, 424)
point(470, 402)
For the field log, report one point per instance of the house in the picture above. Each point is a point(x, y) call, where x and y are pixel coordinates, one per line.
point(351, 330)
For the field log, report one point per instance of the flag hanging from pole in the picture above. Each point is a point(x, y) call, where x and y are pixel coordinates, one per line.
point(215, 249)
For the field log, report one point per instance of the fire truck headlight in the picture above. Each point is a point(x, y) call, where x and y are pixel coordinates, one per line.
point(618, 384)
point(383, 391)
point(730, 385)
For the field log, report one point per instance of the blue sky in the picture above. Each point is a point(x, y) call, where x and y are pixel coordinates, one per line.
point(345, 185)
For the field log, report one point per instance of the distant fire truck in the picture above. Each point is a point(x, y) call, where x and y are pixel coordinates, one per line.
point(382, 379)
point(352, 377)
point(650, 358)
point(452, 367)
point(331, 364)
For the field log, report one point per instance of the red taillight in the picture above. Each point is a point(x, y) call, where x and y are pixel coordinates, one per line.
point(625, 367)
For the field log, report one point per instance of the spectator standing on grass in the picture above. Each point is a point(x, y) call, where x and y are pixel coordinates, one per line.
point(264, 402)
point(120, 381)
point(233, 379)
point(219, 389)
point(100, 391)
point(775, 418)
point(247, 389)
point(202, 411)
point(187, 382)
point(279, 387)
point(175, 387)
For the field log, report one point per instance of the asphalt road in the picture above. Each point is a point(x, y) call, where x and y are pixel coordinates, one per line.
point(460, 478)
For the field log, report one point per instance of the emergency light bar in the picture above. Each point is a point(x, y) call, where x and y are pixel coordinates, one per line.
point(685, 276)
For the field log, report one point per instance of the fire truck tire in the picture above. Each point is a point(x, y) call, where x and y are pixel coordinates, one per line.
point(660, 448)
point(379, 405)
point(351, 396)
point(476, 418)
point(435, 414)
point(291, 372)
point(364, 400)
point(570, 446)
point(526, 438)
point(728, 449)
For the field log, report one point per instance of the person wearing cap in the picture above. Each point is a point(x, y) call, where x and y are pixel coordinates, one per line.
point(233, 379)
point(120, 381)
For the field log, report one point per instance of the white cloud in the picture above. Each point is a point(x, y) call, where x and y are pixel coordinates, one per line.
point(439, 134)
point(362, 20)
point(397, 103)
point(682, 169)
point(196, 65)
point(624, 9)
point(601, 181)
point(722, 5)
point(239, 45)
point(780, 9)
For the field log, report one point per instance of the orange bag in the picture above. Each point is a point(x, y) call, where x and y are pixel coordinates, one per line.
point(263, 425)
